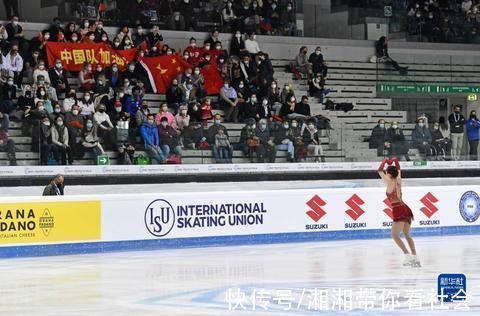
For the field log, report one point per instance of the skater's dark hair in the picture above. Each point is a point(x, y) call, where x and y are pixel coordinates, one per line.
point(392, 170)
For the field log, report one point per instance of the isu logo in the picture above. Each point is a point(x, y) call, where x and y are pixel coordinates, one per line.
point(429, 201)
point(316, 211)
point(388, 210)
point(355, 210)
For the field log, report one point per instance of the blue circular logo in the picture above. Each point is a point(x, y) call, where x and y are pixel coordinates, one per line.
point(470, 206)
point(159, 218)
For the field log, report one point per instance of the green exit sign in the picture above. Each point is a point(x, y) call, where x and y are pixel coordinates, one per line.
point(472, 97)
point(103, 160)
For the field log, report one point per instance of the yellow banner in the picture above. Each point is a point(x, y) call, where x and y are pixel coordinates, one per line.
point(50, 221)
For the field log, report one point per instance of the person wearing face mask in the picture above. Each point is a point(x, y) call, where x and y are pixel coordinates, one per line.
point(192, 47)
point(288, 20)
point(229, 102)
point(170, 136)
point(395, 142)
point(251, 45)
point(457, 129)
point(55, 187)
point(99, 32)
point(87, 105)
point(57, 111)
point(13, 62)
point(174, 96)
point(8, 93)
point(74, 123)
point(114, 76)
point(182, 118)
point(149, 134)
point(229, 16)
point(473, 128)
point(58, 77)
point(311, 138)
point(126, 43)
point(176, 21)
point(142, 113)
point(41, 70)
point(7, 145)
point(301, 150)
point(267, 151)
point(61, 140)
point(264, 110)
point(377, 138)
point(139, 36)
point(165, 113)
point(248, 139)
point(42, 95)
point(237, 45)
point(442, 144)
point(45, 141)
point(284, 140)
point(105, 126)
point(302, 66)
point(86, 77)
point(15, 30)
point(317, 63)
point(90, 141)
point(422, 138)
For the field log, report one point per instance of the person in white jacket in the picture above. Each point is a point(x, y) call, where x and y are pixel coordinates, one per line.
point(251, 44)
point(13, 63)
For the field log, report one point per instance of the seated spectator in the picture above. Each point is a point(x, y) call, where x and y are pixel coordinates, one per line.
point(288, 20)
point(267, 151)
point(86, 78)
point(41, 70)
point(174, 96)
point(249, 71)
point(42, 95)
point(8, 93)
point(311, 139)
point(249, 140)
point(113, 76)
point(182, 119)
point(442, 144)
point(45, 141)
point(132, 102)
point(251, 45)
point(229, 17)
point(422, 139)
point(287, 93)
point(211, 134)
point(70, 100)
point(126, 154)
point(274, 99)
point(381, 51)
point(250, 109)
point(316, 87)
point(90, 141)
point(188, 91)
point(317, 63)
point(8, 145)
point(13, 64)
point(139, 36)
point(264, 110)
point(57, 111)
point(61, 141)
point(99, 31)
point(26, 106)
point(396, 144)
point(154, 38)
point(142, 113)
point(265, 73)
point(301, 149)
point(284, 140)
point(165, 113)
point(75, 125)
point(58, 78)
point(237, 45)
point(125, 134)
point(149, 133)
point(87, 105)
point(51, 93)
point(223, 147)
point(177, 22)
point(16, 34)
point(206, 109)
point(169, 137)
point(378, 138)
point(229, 102)
point(302, 64)
point(215, 37)
point(104, 126)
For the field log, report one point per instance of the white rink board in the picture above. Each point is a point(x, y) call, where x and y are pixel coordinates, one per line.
point(295, 215)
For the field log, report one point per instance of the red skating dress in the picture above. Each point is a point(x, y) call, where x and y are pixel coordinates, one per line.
point(401, 211)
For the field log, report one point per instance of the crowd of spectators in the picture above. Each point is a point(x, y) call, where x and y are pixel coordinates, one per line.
point(106, 109)
point(273, 17)
point(439, 140)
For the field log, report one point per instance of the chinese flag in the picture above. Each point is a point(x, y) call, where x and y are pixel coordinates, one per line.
point(162, 70)
point(213, 80)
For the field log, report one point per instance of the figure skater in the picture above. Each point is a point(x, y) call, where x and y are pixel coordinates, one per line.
point(402, 214)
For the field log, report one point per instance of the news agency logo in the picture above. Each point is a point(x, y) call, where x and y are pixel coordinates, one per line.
point(159, 218)
point(355, 210)
point(316, 211)
point(429, 208)
point(470, 206)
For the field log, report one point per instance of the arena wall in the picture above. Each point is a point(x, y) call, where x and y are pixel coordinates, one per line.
point(36, 226)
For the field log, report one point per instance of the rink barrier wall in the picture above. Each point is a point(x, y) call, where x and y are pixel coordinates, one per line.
point(214, 169)
point(39, 226)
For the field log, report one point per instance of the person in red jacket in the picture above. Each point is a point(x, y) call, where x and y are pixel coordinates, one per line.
point(402, 214)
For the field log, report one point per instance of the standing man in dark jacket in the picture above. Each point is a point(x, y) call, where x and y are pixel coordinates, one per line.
point(55, 187)
point(457, 128)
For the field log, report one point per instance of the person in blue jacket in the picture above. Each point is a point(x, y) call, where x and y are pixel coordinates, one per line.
point(149, 133)
point(473, 125)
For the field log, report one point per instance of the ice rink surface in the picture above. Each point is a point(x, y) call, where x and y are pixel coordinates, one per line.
point(223, 281)
point(280, 279)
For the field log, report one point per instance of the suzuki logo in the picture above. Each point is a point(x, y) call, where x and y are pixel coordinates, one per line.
point(316, 211)
point(355, 210)
point(429, 201)
point(388, 210)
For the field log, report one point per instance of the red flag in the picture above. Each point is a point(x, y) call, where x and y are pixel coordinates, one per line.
point(213, 80)
point(162, 70)
point(73, 55)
